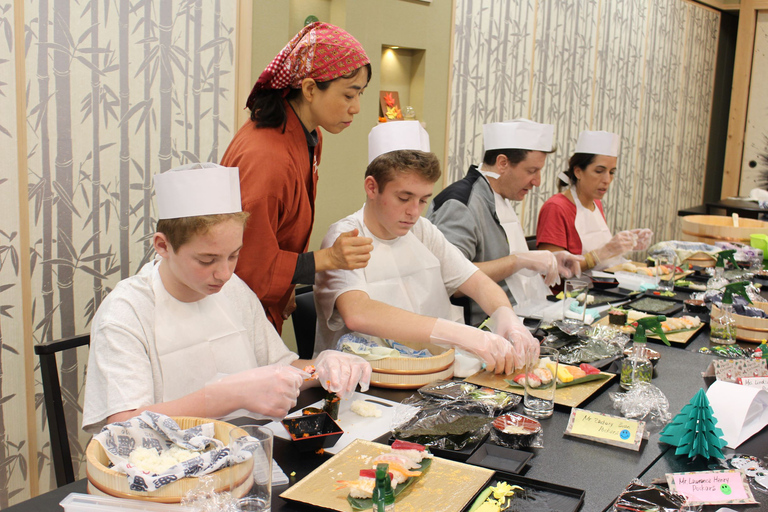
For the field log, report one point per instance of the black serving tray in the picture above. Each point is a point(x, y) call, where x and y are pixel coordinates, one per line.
point(615, 296)
point(501, 458)
point(457, 455)
point(558, 497)
point(674, 306)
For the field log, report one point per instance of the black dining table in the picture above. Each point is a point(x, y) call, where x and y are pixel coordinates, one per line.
point(602, 471)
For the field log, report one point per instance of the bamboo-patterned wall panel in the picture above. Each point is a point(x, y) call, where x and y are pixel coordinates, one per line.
point(641, 68)
point(15, 452)
point(115, 92)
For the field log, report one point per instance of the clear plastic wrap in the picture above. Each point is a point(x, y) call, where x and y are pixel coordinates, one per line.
point(444, 424)
point(600, 342)
point(638, 497)
point(645, 402)
point(204, 498)
point(485, 398)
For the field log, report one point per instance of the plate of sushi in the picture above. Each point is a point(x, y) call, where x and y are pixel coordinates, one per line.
point(346, 481)
point(679, 330)
point(567, 375)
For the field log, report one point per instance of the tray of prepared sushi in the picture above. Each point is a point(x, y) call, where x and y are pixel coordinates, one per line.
point(507, 492)
point(345, 482)
point(678, 330)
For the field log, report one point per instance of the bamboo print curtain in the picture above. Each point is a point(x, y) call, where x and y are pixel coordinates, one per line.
point(114, 92)
point(641, 68)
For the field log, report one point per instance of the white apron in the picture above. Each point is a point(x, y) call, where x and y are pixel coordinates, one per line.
point(405, 274)
point(593, 231)
point(197, 342)
point(526, 286)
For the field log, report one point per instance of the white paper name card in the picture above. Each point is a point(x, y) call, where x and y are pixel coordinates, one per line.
point(606, 429)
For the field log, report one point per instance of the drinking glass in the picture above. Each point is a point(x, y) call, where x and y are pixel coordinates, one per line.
point(573, 291)
point(665, 267)
point(252, 487)
point(539, 401)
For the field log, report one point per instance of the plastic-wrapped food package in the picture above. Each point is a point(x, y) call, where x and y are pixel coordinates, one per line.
point(600, 342)
point(485, 398)
point(645, 402)
point(444, 424)
point(204, 498)
point(649, 498)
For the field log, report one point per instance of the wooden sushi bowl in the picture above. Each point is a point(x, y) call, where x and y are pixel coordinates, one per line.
point(717, 228)
point(105, 481)
point(748, 328)
point(413, 372)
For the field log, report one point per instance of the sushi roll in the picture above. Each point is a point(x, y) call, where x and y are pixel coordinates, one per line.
point(617, 317)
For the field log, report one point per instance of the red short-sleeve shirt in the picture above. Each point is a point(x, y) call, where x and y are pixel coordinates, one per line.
point(557, 224)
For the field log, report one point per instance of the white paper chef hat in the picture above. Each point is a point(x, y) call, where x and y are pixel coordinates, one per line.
point(598, 143)
point(396, 135)
point(518, 134)
point(197, 189)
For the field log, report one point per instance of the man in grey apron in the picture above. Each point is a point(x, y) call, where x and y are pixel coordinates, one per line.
point(403, 293)
point(477, 214)
point(187, 337)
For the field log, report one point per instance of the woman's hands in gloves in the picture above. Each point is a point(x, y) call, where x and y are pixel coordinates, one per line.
point(340, 372)
point(621, 243)
point(644, 237)
point(497, 353)
point(568, 265)
point(543, 262)
point(507, 324)
point(269, 390)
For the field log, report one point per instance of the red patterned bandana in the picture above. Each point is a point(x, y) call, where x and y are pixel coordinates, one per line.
point(320, 51)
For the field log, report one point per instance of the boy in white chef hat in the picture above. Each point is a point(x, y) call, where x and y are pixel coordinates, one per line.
point(403, 293)
point(186, 337)
point(477, 214)
point(573, 220)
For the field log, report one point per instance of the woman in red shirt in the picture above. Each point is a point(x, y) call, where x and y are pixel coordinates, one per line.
point(574, 220)
point(315, 81)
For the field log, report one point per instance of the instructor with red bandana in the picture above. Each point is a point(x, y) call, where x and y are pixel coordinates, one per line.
point(315, 81)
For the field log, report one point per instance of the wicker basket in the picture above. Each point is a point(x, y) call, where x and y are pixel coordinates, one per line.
point(104, 481)
point(413, 372)
point(716, 228)
point(748, 328)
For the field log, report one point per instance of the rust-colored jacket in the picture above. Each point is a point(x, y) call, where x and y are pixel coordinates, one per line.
point(277, 187)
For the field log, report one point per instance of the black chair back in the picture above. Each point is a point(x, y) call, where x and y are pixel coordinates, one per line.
point(54, 405)
point(304, 321)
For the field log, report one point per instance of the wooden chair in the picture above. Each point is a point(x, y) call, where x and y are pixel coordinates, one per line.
point(54, 405)
point(304, 321)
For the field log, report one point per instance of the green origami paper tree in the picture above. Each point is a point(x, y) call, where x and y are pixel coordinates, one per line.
point(693, 430)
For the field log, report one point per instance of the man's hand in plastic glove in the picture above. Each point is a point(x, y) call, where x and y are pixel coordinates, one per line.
point(269, 390)
point(340, 372)
point(543, 262)
point(621, 243)
point(644, 237)
point(495, 351)
point(506, 323)
point(568, 265)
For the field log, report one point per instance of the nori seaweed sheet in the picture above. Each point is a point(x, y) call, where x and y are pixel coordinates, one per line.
point(651, 305)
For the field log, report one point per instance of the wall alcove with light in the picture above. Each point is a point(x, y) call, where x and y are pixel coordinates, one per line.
point(402, 71)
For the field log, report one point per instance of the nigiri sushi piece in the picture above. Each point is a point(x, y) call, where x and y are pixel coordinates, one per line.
point(364, 485)
point(589, 369)
point(399, 473)
point(543, 374)
point(414, 451)
point(533, 380)
point(397, 459)
point(576, 372)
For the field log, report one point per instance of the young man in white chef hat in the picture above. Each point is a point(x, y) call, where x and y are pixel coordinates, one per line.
point(477, 214)
point(574, 221)
point(186, 337)
point(403, 293)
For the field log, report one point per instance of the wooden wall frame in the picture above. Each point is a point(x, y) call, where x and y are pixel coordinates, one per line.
point(742, 74)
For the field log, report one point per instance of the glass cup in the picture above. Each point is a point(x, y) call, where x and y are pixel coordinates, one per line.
point(252, 486)
point(665, 272)
point(539, 401)
point(578, 291)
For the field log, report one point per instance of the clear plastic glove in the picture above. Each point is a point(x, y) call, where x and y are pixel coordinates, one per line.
point(350, 251)
point(506, 323)
point(644, 237)
point(568, 265)
point(621, 243)
point(497, 353)
point(543, 262)
point(340, 372)
point(269, 390)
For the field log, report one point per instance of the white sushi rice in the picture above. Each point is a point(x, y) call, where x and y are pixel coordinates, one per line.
point(365, 409)
point(149, 460)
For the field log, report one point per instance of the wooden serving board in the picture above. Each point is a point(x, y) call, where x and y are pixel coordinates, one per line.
point(446, 487)
point(667, 277)
point(571, 396)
